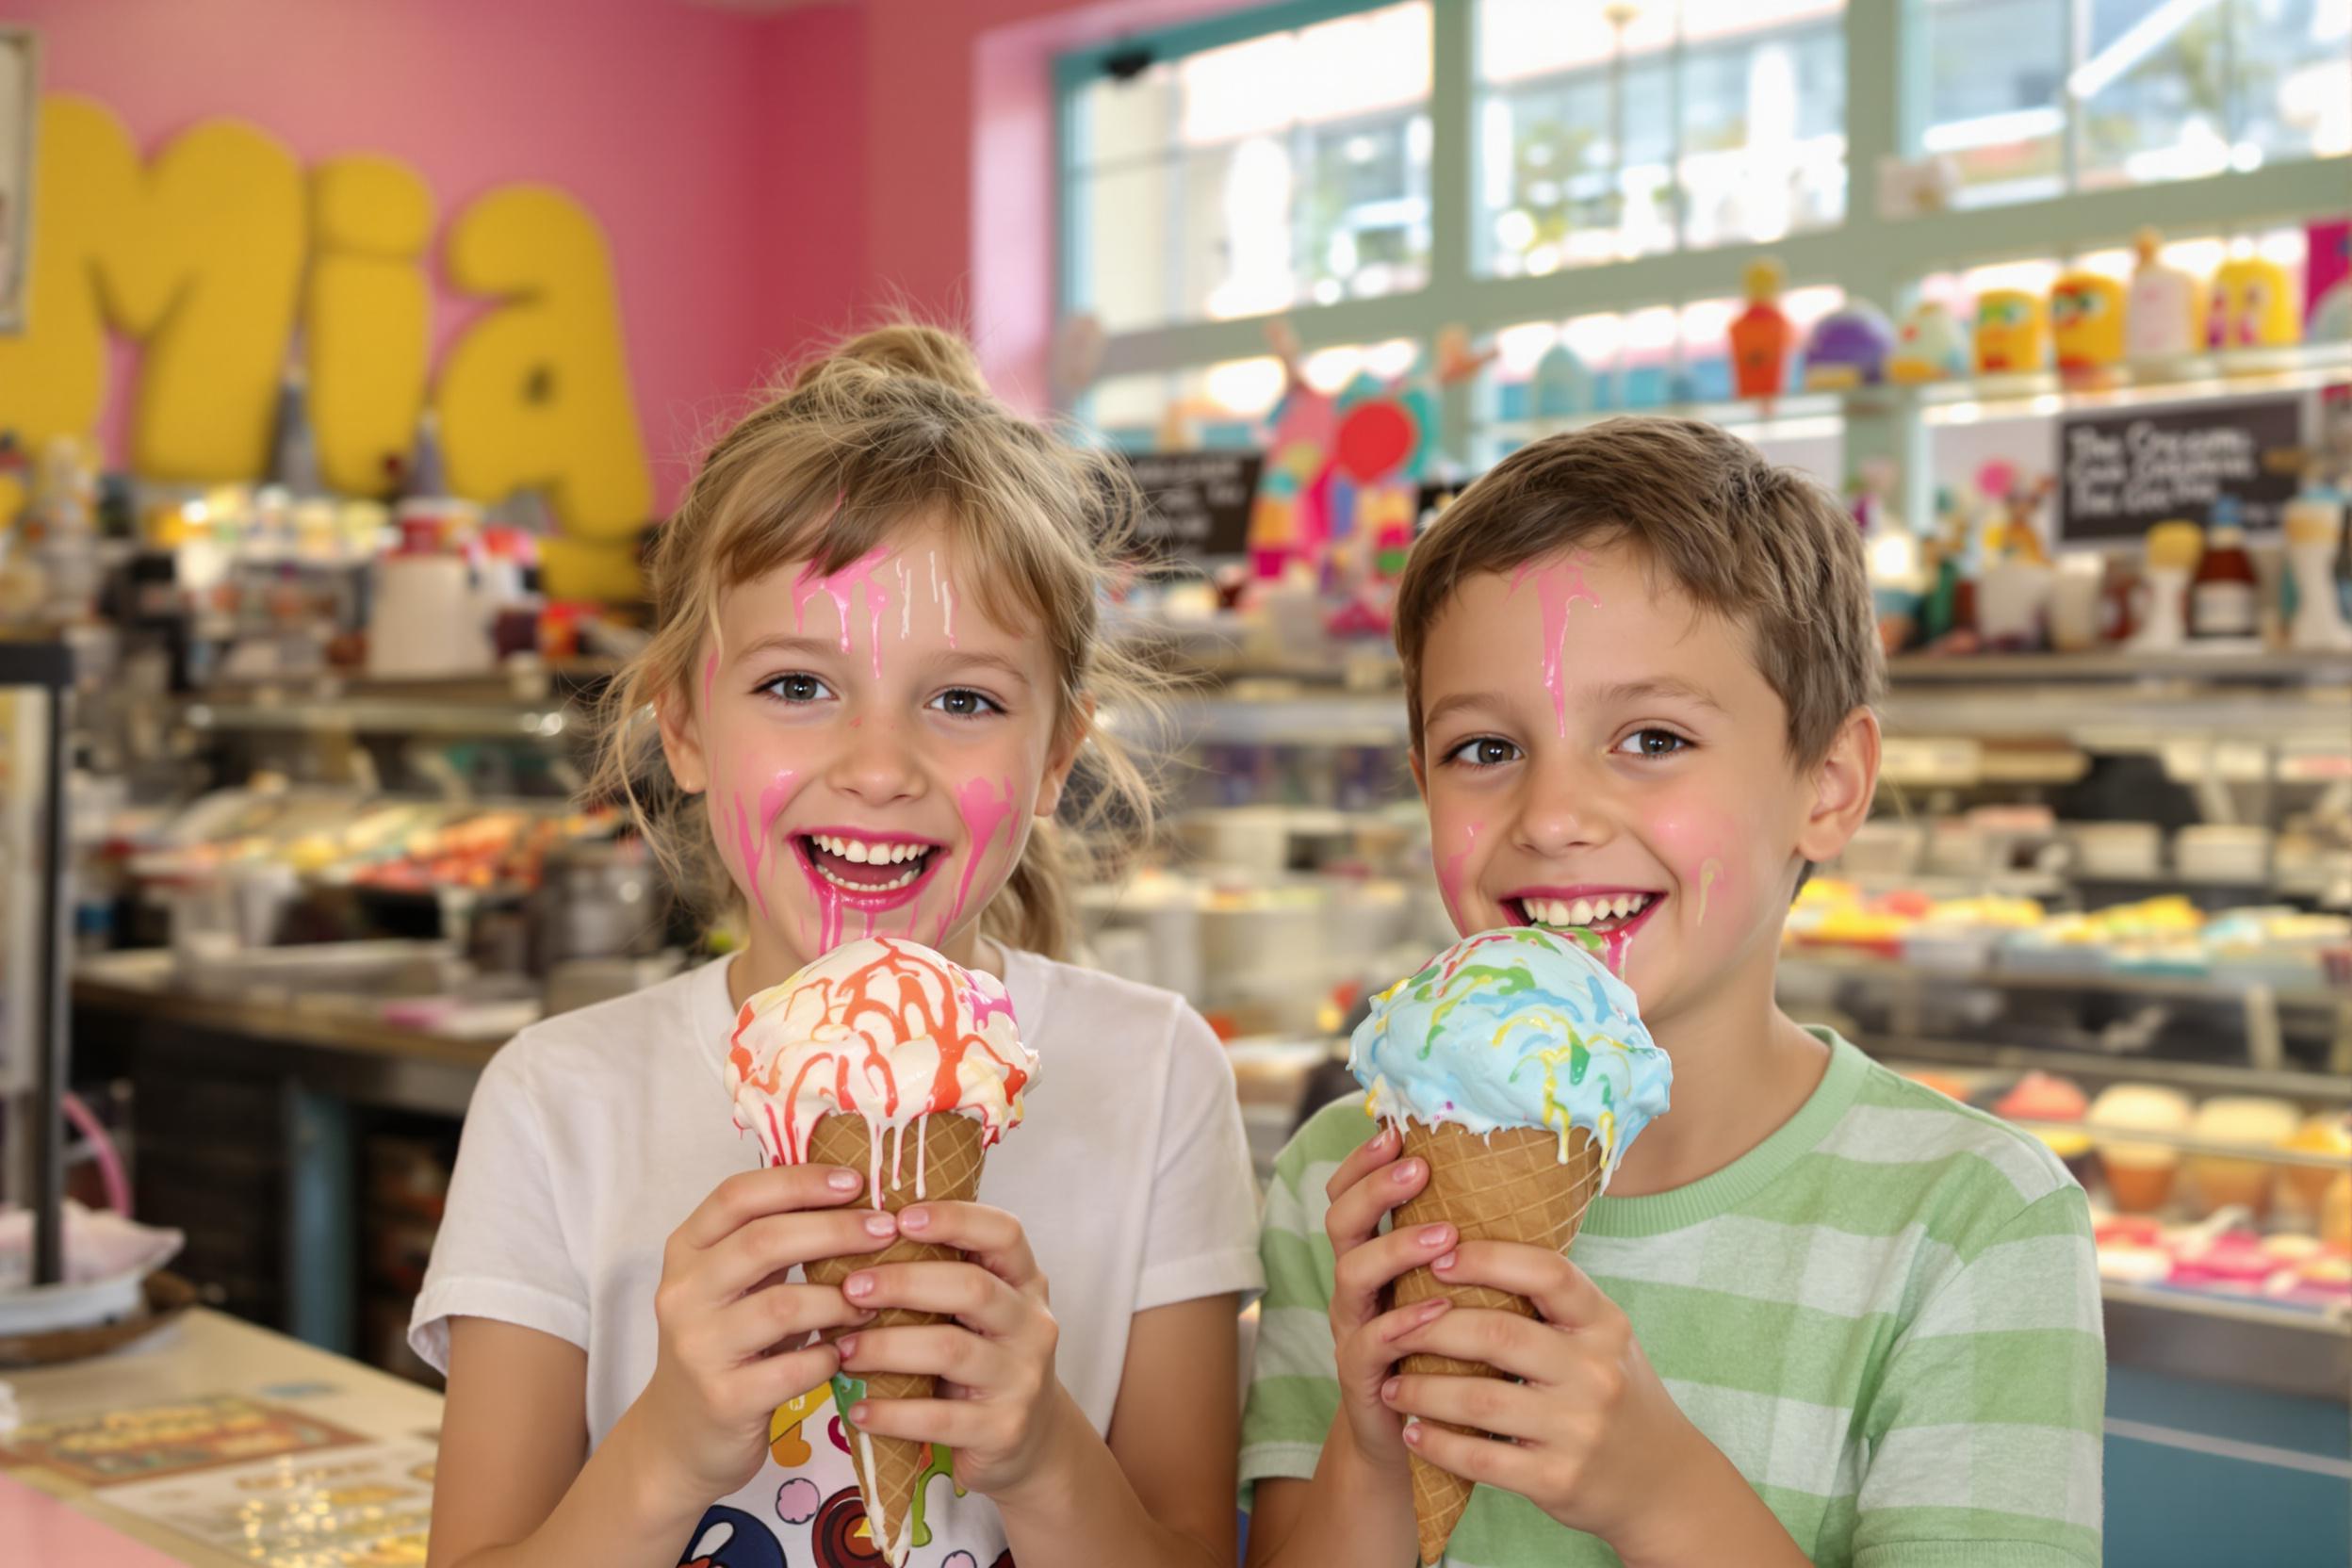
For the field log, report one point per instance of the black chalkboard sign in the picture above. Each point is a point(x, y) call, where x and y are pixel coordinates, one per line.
point(2122, 470)
point(1200, 502)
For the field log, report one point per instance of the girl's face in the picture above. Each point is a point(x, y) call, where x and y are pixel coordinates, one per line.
point(872, 747)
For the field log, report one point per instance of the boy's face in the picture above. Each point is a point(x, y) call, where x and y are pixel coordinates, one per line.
point(1597, 753)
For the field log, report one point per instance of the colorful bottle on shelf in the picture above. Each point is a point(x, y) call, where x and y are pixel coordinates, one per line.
point(2163, 313)
point(2253, 306)
point(2086, 321)
point(1761, 335)
point(1848, 348)
point(2314, 528)
point(2173, 551)
point(2009, 331)
point(2225, 595)
point(1929, 346)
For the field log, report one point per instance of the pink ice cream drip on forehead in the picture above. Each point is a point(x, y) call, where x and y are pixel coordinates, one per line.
point(1558, 586)
point(841, 587)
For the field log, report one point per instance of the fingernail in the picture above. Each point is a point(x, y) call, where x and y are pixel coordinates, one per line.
point(843, 1180)
point(1431, 1312)
point(847, 1345)
point(1412, 1434)
point(1388, 1390)
point(858, 1414)
point(1435, 1236)
point(914, 1219)
point(1445, 1263)
point(1404, 1171)
point(1388, 1136)
point(880, 1225)
point(859, 1284)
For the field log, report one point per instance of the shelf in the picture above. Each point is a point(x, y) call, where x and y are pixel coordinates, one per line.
point(1965, 400)
point(2319, 1088)
point(1808, 963)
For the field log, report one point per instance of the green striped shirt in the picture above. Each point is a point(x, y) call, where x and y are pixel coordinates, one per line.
point(1886, 1314)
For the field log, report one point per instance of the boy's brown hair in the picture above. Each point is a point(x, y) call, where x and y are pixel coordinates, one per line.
point(1762, 545)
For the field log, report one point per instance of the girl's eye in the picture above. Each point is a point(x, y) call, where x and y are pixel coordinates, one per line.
point(1652, 743)
point(1486, 751)
point(962, 702)
point(797, 688)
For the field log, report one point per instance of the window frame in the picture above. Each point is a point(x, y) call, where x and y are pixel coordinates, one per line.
point(1872, 257)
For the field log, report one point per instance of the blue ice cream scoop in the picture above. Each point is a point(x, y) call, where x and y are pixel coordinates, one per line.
point(1520, 1027)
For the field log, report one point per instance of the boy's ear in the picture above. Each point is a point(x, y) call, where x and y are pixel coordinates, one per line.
point(1063, 757)
point(681, 744)
point(1844, 783)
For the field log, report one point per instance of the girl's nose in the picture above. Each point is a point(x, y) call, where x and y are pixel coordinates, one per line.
point(876, 763)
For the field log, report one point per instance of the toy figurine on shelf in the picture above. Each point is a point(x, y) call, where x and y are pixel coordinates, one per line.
point(1948, 613)
point(2164, 308)
point(2313, 527)
point(2253, 306)
point(1761, 335)
point(2086, 322)
point(1848, 348)
point(1929, 346)
point(1561, 385)
point(2009, 331)
point(2013, 589)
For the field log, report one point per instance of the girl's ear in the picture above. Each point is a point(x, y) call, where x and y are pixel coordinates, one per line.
point(1063, 757)
point(681, 744)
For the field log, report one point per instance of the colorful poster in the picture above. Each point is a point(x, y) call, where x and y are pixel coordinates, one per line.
point(364, 1507)
point(166, 1440)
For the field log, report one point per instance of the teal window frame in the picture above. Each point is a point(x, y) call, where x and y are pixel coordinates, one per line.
point(1872, 258)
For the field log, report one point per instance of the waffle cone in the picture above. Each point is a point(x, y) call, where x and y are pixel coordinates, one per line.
point(1509, 1185)
point(937, 1159)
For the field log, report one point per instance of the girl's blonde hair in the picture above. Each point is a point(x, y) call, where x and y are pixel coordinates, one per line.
point(891, 424)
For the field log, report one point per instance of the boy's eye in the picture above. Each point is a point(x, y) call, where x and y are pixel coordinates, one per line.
point(796, 688)
point(1485, 751)
point(962, 702)
point(1652, 743)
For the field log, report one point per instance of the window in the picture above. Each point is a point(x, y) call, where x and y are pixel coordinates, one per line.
point(1223, 406)
point(1607, 133)
point(2032, 98)
point(1285, 169)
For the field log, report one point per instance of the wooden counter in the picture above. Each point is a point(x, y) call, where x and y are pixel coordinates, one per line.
point(203, 1355)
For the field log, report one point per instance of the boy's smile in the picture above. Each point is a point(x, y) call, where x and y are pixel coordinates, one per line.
point(1599, 755)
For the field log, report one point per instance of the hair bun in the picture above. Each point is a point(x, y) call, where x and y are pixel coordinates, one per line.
point(904, 349)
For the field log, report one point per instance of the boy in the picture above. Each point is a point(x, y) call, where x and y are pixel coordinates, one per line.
point(1822, 1314)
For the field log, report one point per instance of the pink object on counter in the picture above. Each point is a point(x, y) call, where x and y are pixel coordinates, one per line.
point(35, 1528)
point(2042, 1097)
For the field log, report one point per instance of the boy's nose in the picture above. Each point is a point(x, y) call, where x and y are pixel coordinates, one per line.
point(1563, 814)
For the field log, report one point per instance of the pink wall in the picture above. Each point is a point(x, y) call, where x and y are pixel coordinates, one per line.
point(766, 180)
point(644, 109)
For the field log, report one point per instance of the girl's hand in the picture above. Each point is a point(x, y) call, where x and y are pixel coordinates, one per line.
point(734, 1336)
point(1366, 1341)
point(1000, 1405)
point(1595, 1440)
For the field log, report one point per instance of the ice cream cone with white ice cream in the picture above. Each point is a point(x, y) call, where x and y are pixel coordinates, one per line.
point(1517, 1065)
point(885, 1057)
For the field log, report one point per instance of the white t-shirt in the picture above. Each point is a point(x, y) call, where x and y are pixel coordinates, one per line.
point(594, 1134)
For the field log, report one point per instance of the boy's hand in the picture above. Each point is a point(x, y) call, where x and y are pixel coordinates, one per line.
point(1000, 1405)
point(1595, 1440)
point(1366, 1341)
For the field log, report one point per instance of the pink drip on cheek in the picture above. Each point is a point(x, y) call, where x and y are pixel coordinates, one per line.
point(748, 851)
point(1449, 874)
point(985, 809)
point(1557, 587)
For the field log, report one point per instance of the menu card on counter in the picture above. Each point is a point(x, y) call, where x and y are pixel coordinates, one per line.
point(370, 1505)
point(2121, 471)
point(1199, 509)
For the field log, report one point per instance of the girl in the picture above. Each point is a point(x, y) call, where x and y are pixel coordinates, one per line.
point(874, 669)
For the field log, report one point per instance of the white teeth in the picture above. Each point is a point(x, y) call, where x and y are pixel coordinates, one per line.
point(854, 852)
point(891, 885)
point(1580, 912)
point(1622, 906)
point(1554, 912)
